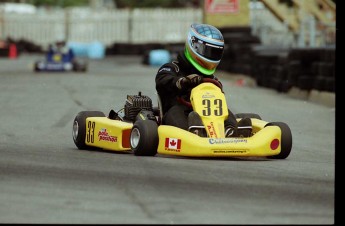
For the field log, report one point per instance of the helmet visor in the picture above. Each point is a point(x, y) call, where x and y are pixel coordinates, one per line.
point(207, 50)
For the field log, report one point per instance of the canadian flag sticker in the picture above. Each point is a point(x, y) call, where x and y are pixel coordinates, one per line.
point(172, 143)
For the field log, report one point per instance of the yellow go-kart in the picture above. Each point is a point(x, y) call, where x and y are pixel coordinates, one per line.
point(137, 128)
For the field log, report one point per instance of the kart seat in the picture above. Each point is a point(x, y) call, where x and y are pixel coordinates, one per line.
point(158, 110)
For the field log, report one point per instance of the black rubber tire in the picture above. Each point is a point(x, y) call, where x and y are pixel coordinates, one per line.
point(305, 82)
point(36, 68)
point(79, 66)
point(83, 67)
point(286, 140)
point(79, 128)
point(248, 115)
point(146, 133)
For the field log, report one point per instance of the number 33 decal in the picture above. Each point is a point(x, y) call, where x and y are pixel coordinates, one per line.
point(217, 106)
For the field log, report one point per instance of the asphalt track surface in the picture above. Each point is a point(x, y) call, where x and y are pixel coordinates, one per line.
point(44, 178)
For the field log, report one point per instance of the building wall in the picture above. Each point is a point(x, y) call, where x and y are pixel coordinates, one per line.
point(227, 13)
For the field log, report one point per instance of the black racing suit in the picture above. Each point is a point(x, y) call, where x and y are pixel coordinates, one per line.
point(175, 113)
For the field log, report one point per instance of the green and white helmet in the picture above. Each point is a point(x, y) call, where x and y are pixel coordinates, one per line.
point(204, 47)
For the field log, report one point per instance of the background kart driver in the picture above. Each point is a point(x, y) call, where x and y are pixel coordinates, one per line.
point(60, 47)
point(201, 55)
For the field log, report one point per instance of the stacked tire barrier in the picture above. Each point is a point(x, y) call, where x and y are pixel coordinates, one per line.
point(279, 68)
point(268, 67)
point(304, 68)
point(21, 45)
point(312, 68)
point(238, 53)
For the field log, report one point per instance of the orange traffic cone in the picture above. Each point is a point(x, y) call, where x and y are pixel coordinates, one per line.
point(12, 52)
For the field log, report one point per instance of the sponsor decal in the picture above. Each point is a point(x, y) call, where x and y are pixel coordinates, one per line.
point(142, 116)
point(165, 69)
point(177, 69)
point(211, 130)
point(203, 64)
point(103, 135)
point(221, 6)
point(208, 95)
point(227, 140)
point(173, 144)
point(53, 66)
point(229, 151)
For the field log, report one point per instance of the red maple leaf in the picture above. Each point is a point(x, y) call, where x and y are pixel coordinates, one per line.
point(173, 143)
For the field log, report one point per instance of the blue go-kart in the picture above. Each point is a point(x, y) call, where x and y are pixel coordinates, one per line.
point(60, 61)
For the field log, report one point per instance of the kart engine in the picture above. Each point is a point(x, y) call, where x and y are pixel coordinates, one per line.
point(135, 103)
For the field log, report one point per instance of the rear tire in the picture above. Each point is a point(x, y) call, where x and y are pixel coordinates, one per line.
point(79, 128)
point(144, 138)
point(79, 66)
point(286, 140)
point(36, 69)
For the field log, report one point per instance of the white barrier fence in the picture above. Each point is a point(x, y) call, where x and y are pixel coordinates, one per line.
point(140, 26)
point(106, 26)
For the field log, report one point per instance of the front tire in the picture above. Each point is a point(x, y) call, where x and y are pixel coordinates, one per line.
point(144, 138)
point(286, 140)
point(79, 128)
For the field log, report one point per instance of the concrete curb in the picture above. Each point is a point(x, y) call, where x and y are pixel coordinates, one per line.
point(315, 96)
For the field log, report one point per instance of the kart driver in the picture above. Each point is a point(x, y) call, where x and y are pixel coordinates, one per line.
point(201, 55)
point(60, 47)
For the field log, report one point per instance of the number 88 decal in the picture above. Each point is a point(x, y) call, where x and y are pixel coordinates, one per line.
point(218, 107)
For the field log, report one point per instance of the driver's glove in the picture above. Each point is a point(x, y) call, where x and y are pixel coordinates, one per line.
point(189, 81)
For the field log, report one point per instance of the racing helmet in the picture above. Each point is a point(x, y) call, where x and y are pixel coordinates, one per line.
point(60, 43)
point(60, 40)
point(204, 47)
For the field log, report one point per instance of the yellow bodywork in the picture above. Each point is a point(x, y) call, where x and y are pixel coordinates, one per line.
point(114, 135)
point(108, 134)
point(192, 145)
point(210, 103)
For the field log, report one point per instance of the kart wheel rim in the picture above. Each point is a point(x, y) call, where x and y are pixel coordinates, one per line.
point(75, 130)
point(135, 137)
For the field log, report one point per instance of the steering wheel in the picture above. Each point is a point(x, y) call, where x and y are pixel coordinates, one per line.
point(214, 81)
point(210, 80)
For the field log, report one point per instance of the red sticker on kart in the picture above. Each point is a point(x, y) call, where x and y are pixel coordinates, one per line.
point(104, 135)
point(172, 144)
